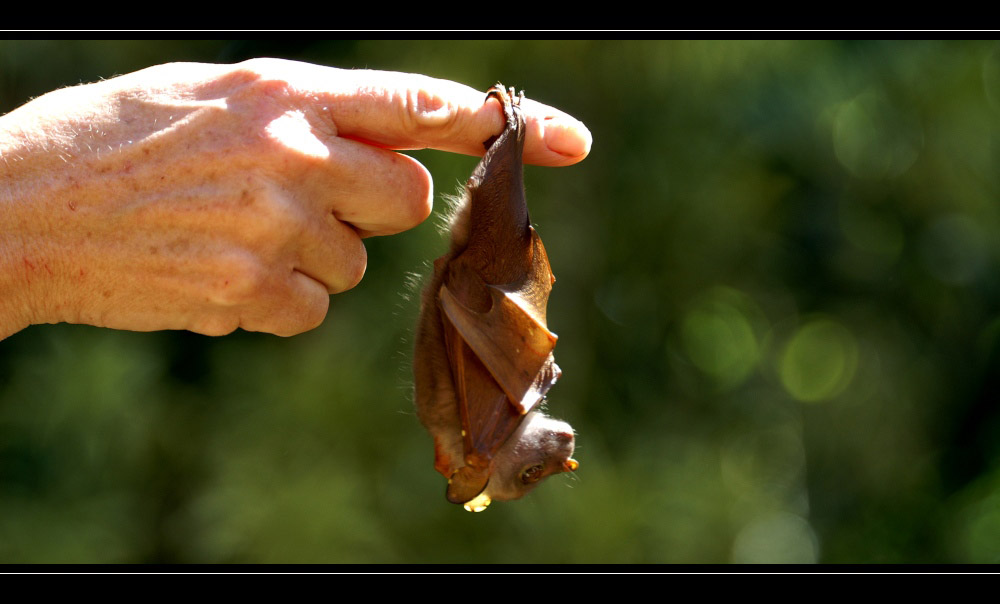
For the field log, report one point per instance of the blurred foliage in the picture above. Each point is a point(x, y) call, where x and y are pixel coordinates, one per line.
point(777, 303)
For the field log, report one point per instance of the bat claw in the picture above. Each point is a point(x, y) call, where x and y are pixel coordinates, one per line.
point(508, 100)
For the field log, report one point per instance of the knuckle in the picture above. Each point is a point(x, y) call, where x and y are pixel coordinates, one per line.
point(238, 279)
point(355, 268)
point(417, 196)
point(424, 110)
point(261, 95)
point(266, 216)
point(264, 77)
point(406, 195)
point(259, 65)
point(316, 320)
point(216, 326)
point(299, 315)
point(315, 313)
point(267, 143)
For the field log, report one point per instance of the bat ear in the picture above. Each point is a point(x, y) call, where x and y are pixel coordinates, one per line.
point(467, 483)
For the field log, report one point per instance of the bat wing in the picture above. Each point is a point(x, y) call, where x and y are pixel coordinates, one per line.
point(502, 365)
point(512, 339)
point(487, 418)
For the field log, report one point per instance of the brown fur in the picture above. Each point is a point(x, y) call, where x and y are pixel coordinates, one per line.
point(483, 352)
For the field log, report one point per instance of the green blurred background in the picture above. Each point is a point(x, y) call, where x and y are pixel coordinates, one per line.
point(778, 306)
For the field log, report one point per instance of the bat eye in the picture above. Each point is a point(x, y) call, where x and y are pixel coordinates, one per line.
point(532, 474)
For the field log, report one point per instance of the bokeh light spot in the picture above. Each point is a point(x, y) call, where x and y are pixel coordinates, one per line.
point(779, 538)
point(874, 140)
point(718, 336)
point(819, 361)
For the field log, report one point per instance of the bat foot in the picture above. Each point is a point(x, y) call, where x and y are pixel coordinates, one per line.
point(508, 100)
point(498, 92)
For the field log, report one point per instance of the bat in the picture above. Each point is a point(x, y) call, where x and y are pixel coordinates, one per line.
point(483, 358)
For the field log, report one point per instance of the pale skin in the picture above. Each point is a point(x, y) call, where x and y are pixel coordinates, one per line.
point(216, 197)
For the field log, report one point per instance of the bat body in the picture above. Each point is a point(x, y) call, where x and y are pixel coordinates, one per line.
point(483, 359)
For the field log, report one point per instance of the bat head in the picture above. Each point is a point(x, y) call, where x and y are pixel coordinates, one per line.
point(540, 447)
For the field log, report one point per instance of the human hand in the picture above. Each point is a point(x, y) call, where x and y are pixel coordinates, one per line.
point(210, 197)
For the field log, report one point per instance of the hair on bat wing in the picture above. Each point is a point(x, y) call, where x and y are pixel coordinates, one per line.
point(412, 283)
point(453, 205)
point(451, 222)
point(454, 221)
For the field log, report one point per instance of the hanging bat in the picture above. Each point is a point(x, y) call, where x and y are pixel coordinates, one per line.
point(483, 358)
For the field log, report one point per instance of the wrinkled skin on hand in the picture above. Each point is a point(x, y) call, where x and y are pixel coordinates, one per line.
point(215, 197)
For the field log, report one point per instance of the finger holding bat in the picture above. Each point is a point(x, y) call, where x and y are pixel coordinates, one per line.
point(129, 199)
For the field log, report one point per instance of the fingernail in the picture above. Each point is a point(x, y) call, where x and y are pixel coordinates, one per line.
point(567, 137)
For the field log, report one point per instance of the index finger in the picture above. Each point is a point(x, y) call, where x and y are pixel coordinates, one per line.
point(398, 110)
